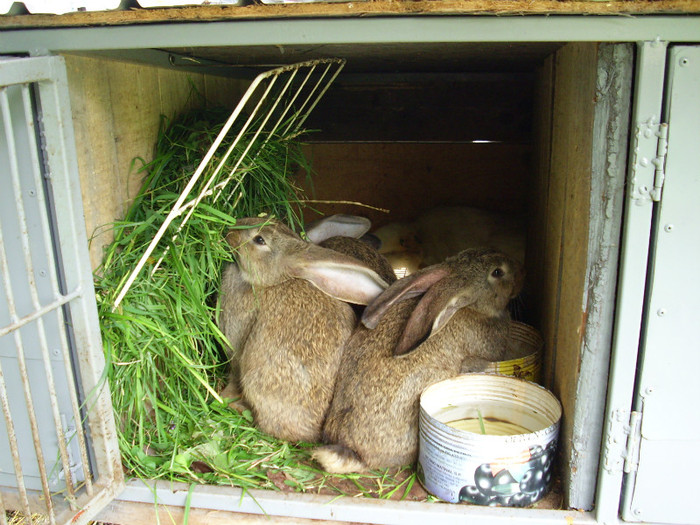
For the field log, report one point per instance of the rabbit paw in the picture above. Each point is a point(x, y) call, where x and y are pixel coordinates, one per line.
point(232, 394)
point(338, 459)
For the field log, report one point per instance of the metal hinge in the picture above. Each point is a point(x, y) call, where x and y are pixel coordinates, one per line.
point(615, 441)
point(659, 162)
point(621, 447)
point(634, 439)
point(650, 149)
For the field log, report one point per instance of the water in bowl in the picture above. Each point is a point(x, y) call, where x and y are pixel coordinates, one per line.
point(491, 426)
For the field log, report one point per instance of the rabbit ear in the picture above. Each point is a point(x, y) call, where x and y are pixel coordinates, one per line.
point(415, 284)
point(430, 315)
point(339, 224)
point(337, 275)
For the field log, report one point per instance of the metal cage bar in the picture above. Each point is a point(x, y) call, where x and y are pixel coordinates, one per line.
point(12, 438)
point(21, 358)
point(64, 345)
point(49, 332)
point(66, 296)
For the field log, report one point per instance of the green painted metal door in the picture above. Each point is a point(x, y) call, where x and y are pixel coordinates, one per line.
point(664, 460)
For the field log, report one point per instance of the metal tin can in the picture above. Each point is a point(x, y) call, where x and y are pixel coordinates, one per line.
point(524, 356)
point(477, 465)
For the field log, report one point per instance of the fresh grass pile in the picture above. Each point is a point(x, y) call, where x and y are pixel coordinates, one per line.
point(162, 345)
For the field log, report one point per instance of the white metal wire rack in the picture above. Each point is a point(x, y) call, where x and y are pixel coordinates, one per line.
point(59, 458)
point(277, 103)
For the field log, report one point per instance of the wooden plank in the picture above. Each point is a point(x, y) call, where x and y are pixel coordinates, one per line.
point(176, 95)
point(225, 92)
point(573, 241)
point(407, 178)
point(569, 204)
point(358, 8)
point(538, 213)
point(433, 107)
point(94, 140)
point(611, 129)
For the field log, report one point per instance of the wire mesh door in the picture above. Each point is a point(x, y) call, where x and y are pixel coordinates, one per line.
point(58, 451)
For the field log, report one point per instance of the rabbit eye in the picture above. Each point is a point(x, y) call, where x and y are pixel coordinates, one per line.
point(258, 239)
point(498, 273)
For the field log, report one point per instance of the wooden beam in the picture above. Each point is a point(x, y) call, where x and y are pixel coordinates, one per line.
point(210, 13)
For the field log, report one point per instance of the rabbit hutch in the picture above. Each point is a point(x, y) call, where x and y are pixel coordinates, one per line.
point(581, 129)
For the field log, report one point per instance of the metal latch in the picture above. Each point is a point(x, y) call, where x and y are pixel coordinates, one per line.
point(650, 150)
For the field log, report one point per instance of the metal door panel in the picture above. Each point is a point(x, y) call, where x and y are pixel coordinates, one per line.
point(669, 384)
point(58, 451)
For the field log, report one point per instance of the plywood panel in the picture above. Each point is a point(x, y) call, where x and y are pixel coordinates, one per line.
point(175, 95)
point(406, 179)
point(223, 91)
point(136, 110)
point(93, 123)
point(117, 109)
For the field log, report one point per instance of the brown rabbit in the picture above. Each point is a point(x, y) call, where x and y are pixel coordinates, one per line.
point(409, 342)
point(348, 234)
point(362, 251)
point(284, 310)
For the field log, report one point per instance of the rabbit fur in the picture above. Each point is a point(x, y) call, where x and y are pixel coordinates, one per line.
point(283, 308)
point(446, 230)
point(432, 325)
point(362, 251)
point(348, 234)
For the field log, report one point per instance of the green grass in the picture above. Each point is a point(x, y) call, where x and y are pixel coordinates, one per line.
point(162, 344)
